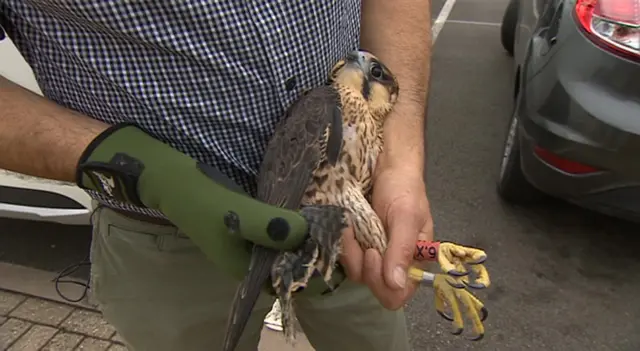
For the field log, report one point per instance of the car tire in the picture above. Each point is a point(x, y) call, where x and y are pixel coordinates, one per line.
point(508, 26)
point(513, 187)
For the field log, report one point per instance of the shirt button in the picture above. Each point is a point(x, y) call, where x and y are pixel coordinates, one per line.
point(290, 83)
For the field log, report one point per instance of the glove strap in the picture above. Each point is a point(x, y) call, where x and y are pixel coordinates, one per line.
point(117, 177)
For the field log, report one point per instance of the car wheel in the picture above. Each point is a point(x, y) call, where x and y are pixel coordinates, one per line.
point(508, 26)
point(513, 186)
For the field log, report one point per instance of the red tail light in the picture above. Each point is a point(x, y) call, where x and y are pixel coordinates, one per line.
point(567, 166)
point(613, 24)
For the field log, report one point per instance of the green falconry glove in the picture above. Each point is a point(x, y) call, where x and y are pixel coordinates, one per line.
point(128, 164)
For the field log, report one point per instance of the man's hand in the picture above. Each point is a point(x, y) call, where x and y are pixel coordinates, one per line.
point(399, 198)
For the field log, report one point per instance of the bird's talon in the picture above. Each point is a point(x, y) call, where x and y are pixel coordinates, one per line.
point(456, 285)
point(477, 286)
point(457, 331)
point(484, 313)
point(455, 273)
point(445, 316)
point(477, 337)
point(479, 261)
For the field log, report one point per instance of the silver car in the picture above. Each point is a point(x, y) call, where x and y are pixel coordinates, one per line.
point(575, 128)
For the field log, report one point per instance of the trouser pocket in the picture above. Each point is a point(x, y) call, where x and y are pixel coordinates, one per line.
point(159, 290)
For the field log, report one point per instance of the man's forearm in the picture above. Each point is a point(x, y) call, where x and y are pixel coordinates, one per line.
point(399, 33)
point(39, 137)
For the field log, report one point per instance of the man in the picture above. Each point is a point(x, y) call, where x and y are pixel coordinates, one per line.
point(210, 79)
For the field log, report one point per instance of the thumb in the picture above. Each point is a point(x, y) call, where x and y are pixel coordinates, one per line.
point(403, 233)
point(405, 228)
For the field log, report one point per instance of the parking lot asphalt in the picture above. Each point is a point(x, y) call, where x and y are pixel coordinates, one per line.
point(563, 278)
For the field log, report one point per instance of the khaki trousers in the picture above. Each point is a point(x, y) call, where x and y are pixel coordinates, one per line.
point(162, 294)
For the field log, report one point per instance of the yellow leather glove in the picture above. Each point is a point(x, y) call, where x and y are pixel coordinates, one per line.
point(450, 288)
point(448, 296)
point(453, 258)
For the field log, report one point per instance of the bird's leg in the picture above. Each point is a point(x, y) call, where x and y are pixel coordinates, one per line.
point(292, 270)
point(367, 226)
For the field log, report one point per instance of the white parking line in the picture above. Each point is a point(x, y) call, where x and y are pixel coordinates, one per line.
point(477, 23)
point(441, 19)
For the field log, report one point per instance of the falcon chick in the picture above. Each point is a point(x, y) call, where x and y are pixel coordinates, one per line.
point(320, 160)
point(366, 91)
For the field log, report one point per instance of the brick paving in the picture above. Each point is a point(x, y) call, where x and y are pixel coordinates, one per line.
point(33, 324)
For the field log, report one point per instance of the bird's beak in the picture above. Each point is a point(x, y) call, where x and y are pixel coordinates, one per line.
point(357, 59)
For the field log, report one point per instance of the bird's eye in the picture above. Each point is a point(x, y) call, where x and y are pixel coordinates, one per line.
point(376, 71)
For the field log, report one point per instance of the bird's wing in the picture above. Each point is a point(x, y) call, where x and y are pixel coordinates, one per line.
point(310, 134)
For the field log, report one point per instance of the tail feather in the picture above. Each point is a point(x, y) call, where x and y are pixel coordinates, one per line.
point(293, 271)
point(262, 260)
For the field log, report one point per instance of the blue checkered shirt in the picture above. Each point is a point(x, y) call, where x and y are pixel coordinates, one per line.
point(210, 78)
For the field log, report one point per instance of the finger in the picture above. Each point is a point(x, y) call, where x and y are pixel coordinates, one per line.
point(449, 261)
point(470, 255)
point(399, 253)
point(474, 311)
point(441, 309)
point(449, 296)
point(481, 274)
point(440, 305)
point(373, 277)
point(446, 297)
point(457, 281)
point(479, 306)
point(451, 253)
point(475, 256)
point(482, 279)
point(405, 228)
point(352, 256)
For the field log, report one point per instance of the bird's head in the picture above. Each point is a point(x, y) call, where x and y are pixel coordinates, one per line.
point(365, 74)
